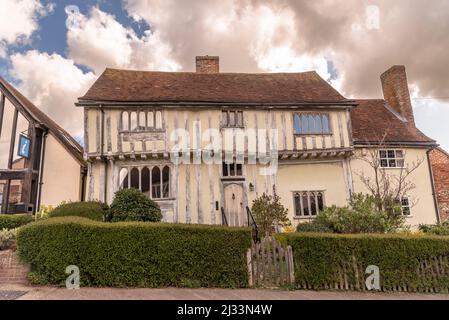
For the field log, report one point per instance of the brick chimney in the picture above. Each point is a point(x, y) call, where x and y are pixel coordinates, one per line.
point(396, 93)
point(207, 64)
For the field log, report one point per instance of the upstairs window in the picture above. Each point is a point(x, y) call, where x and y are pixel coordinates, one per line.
point(308, 204)
point(232, 119)
point(141, 120)
point(311, 123)
point(391, 158)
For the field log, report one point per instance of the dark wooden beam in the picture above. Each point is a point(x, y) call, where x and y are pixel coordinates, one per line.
point(13, 174)
point(2, 111)
point(5, 204)
point(13, 138)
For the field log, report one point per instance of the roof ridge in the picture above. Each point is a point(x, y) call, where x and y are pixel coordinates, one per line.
point(209, 74)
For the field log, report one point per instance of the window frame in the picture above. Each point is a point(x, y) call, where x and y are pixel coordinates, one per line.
point(158, 124)
point(305, 118)
point(225, 122)
point(236, 169)
point(396, 159)
point(308, 193)
point(150, 167)
point(407, 206)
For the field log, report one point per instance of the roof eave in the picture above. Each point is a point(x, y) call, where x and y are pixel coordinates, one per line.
point(98, 103)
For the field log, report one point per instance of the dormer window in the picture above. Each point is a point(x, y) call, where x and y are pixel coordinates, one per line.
point(232, 119)
point(311, 123)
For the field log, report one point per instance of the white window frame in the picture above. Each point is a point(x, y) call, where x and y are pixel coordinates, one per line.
point(308, 193)
point(397, 159)
point(407, 206)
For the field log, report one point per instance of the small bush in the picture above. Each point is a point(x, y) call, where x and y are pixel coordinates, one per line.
point(436, 229)
point(268, 211)
point(133, 205)
point(361, 216)
point(91, 209)
point(135, 254)
point(12, 221)
point(320, 258)
point(7, 237)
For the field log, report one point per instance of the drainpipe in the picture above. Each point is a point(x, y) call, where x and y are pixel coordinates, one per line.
point(41, 171)
point(432, 182)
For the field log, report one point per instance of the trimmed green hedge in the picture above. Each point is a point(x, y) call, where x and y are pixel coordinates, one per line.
point(135, 254)
point(93, 210)
point(12, 221)
point(317, 258)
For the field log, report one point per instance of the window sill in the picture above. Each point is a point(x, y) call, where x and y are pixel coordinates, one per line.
point(236, 178)
point(232, 127)
point(304, 218)
point(143, 131)
point(313, 134)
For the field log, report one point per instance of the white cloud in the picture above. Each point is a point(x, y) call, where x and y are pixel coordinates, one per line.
point(99, 41)
point(18, 20)
point(52, 83)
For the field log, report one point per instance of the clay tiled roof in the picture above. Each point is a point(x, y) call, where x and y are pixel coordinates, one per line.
point(373, 121)
point(59, 133)
point(270, 88)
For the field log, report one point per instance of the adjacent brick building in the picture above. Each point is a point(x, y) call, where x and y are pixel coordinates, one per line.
point(440, 166)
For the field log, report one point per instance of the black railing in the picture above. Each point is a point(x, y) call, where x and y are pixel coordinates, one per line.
point(224, 221)
point(252, 223)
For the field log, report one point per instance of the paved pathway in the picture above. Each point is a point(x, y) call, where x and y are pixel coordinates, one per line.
point(54, 293)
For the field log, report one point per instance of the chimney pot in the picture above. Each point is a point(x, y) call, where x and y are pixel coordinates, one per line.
point(207, 64)
point(396, 92)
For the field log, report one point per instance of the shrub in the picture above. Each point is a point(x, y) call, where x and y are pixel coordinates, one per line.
point(313, 227)
point(319, 259)
point(436, 229)
point(133, 205)
point(91, 209)
point(128, 254)
point(268, 211)
point(7, 237)
point(361, 216)
point(12, 221)
point(44, 211)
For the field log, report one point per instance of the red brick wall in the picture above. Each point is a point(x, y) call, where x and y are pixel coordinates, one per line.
point(440, 168)
point(396, 93)
point(11, 270)
point(207, 64)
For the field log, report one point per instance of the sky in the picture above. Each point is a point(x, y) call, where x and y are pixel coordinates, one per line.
point(54, 50)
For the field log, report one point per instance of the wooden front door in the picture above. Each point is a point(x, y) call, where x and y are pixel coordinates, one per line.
point(234, 210)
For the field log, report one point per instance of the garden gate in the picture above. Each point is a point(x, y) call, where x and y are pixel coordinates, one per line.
point(270, 264)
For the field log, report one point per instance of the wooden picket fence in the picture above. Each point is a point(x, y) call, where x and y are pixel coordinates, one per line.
point(351, 276)
point(270, 264)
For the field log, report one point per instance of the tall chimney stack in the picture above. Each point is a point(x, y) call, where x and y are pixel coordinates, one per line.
point(396, 93)
point(207, 64)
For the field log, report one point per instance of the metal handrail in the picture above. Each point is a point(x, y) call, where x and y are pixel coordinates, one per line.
point(253, 224)
point(224, 221)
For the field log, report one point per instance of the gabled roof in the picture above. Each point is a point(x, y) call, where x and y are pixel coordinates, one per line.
point(116, 85)
point(40, 117)
point(373, 121)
